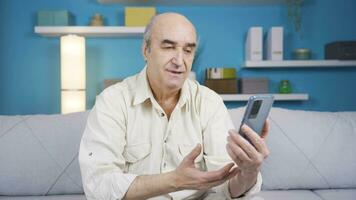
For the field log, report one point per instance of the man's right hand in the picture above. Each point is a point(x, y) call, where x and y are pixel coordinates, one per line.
point(187, 176)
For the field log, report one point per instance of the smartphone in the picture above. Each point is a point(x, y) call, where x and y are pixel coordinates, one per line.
point(256, 113)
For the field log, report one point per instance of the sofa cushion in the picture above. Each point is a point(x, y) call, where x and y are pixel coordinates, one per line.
point(52, 197)
point(308, 149)
point(39, 154)
point(340, 194)
point(287, 195)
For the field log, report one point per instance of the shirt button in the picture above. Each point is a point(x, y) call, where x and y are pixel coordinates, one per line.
point(165, 141)
point(164, 164)
point(162, 114)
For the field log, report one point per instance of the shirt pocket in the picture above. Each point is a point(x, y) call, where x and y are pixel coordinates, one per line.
point(185, 149)
point(135, 157)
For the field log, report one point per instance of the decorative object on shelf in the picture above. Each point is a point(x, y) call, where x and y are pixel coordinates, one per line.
point(285, 87)
point(55, 18)
point(302, 54)
point(254, 85)
point(221, 73)
point(97, 20)
point(253, 44)
point(138, 16)
point(341, 50)
point(275, 44)
point(73, 98)
point(221, 80)
point(294, 13)
point(222, 86)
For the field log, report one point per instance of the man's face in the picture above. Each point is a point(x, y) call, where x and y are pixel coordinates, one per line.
point(171, 52)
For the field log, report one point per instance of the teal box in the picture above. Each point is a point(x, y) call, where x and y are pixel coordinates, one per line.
point(63, 18)
point(54, 18)
point(44, 18)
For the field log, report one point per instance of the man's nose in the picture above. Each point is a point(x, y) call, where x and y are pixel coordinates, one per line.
point(178, 58)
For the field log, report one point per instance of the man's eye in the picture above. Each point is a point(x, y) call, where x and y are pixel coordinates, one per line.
point(168, 47)
point(188, 50)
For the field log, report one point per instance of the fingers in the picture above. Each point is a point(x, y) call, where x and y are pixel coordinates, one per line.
point(250, 151)
point(231, 174)
point(235, 150)
point(236, 154)
point(193, 154)
point(218, 174)
point(193, 178)
point(257, 141)
point(265, 129)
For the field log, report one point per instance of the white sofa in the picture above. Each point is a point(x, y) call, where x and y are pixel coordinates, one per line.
point(312, 156)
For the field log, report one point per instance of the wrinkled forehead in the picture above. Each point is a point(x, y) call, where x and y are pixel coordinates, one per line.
point(177, 30)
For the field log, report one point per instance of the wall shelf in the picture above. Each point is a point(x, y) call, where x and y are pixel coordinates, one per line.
point(299, 63)
point(90, 31)
point(192, 2)
point(277, 97)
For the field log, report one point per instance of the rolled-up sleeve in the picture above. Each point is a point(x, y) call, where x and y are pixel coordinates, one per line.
point(101, 158)
point(218, 123)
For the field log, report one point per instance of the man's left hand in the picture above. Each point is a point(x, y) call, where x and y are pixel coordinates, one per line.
point(248, 157)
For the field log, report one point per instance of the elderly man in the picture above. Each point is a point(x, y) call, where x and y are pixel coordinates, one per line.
point(159, 135)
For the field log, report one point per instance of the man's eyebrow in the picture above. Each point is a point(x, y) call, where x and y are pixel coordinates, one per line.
point(166, 41)
point(191, 45)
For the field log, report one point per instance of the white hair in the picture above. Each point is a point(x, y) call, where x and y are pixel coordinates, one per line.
point(148, 32)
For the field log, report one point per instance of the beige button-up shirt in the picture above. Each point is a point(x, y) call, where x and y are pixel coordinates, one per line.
point(129, 134)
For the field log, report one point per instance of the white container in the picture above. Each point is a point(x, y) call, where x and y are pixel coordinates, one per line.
point(275, 43)
point(253, 44)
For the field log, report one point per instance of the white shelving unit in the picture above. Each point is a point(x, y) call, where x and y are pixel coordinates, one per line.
point(90, 31)
point(299, 63)
point(277, 97)
point(192, 2)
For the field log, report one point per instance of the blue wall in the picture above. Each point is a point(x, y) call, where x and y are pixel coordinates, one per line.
point(29, 63)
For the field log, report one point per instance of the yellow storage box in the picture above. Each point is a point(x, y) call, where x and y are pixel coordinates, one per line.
point(138, 16)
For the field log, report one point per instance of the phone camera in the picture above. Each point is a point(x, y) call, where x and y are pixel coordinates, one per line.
point(255, 108)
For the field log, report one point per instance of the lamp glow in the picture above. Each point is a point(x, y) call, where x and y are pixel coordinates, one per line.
point(72, 101)
point(72, 74)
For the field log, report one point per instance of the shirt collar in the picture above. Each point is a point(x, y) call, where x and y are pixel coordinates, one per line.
point(143, 90)
point(184, 94)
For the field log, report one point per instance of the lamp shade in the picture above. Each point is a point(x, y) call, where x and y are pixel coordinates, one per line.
point(72, 62)
point(72, 74)
point(72, 101)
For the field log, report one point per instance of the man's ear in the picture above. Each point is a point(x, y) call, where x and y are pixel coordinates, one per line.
point(144, 50)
